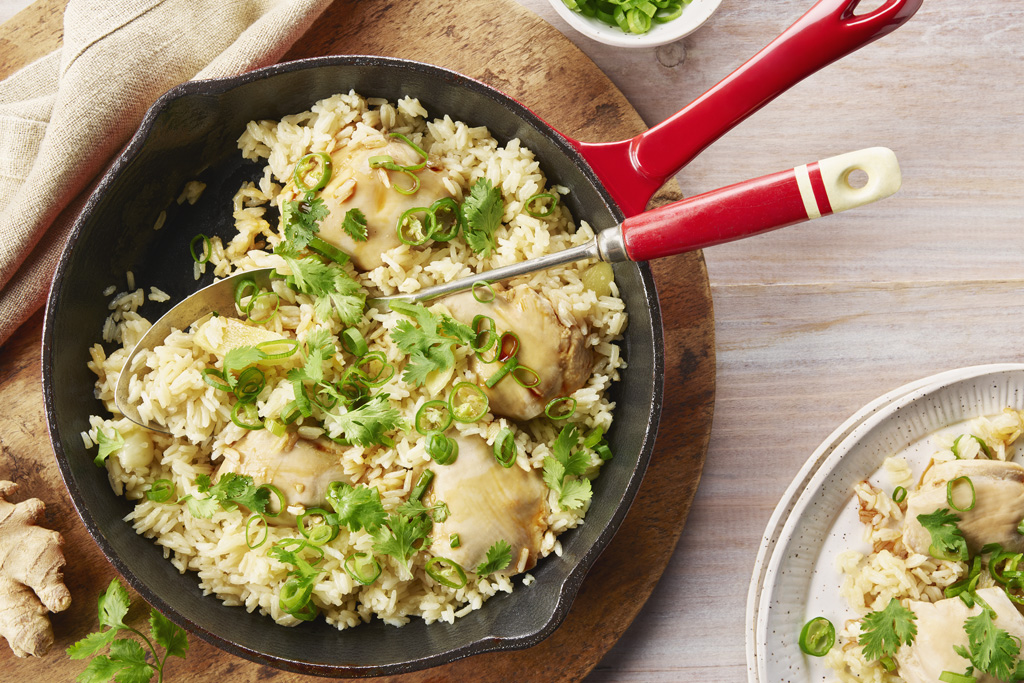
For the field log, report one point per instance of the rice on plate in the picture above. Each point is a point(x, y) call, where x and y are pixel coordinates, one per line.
point(329, 457)
point(936, 596)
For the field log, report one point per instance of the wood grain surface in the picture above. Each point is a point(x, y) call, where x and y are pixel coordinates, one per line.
point(483, 40)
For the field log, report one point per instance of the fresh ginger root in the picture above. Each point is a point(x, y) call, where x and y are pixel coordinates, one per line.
point(31, 565)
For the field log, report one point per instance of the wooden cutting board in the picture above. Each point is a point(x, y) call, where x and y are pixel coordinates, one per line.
point(504, 45)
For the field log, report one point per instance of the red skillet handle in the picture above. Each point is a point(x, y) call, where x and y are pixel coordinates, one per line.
point(633, 170)
point(766, 203)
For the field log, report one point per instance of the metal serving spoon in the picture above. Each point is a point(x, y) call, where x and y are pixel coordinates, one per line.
point(730, 213)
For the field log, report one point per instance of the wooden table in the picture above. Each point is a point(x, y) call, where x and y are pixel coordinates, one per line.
point(814, 321)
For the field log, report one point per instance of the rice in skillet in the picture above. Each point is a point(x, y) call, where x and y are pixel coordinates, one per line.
point(171, 388)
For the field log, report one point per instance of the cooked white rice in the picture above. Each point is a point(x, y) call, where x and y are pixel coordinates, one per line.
point(170, 388)
point(893, 571)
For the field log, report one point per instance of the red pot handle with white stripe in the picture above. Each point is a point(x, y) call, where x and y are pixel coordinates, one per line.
point(766, 203)
point(633, 170)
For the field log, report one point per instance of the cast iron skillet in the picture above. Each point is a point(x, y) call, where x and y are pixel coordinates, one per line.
point(191, 133)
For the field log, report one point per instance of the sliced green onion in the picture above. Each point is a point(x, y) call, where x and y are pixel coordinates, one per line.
point(295, 596)
point(553, 198)
point(352, 340)
point(951, 487)
point(593, 438)
point(489, 294)
point(386, 372)
point(418, 230)
point(245, 415)
point(292, 345)
point(412, 189)
point(446, 572)
point(207, 248)
point(1009, 563)
point(215, 378)
point(899, 494)
point(952, 677)
point(603, 451)
point(887, 663)
point(270, 314)
point(381, 160)
point(526, 377)
point(276, 492)
point(317, 531)
point(422, 483)
point(439, 231)
point(1020, 528)
point(325, 396)
point(248, 531)
point(249, 385)
point(454, 541)
point(507, 367)
point(817, 637)
point(509, 346)
point(303, 167)
point(327, 250)
point(362, 567)
point(274, 427)
point(505, 450)
point(555, 410)
point(433, 416)
point(423, 155)
point(442, 449)
point(243, 288)
point(488, 333)
point(160, 491)
point(981, 442)
point(467, 402)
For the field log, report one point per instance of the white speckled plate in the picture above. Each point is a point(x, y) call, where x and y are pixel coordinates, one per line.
point(795, 577)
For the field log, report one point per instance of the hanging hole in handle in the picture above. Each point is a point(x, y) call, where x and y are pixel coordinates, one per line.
point(867, 7)
point(856, 178)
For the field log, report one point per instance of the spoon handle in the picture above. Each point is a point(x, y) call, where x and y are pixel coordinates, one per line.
point(766, 203)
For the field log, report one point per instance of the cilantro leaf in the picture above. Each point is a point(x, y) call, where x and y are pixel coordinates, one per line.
point(99, 670)
point(357, 507)
point(301, 219)
point(398, 538)
point(498, 557)
point(428, 346)
point(481, 215)
point(992, 649)
point(948, 542)
point(168, 635)
point(564, 463)
point(883, 632)
point(132, 659)
point(355, 225)
point(297, 591)
point(91, 644)
point(328, 283)
point(239, 358)
point(230, 491)
point(107, 445)
point(575, 492)
point(553, 473)
point(367, 424)
point(113, 605)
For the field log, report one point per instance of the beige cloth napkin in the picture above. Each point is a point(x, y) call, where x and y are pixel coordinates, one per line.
point(65, 116)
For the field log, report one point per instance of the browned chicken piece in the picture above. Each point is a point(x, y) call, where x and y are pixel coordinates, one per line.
point(940, 627)
point(301, 469)
point(998, 508)
point(354, 185)
point(556, 352)
point(487, 503)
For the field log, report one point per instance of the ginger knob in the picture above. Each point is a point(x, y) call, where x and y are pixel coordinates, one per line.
point(31, 575)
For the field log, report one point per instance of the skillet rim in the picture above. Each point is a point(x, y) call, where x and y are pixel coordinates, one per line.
point(573, 580)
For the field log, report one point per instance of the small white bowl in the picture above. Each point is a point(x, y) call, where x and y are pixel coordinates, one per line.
point(694, 14)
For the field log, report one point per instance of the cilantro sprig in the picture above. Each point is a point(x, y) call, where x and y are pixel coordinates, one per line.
point(883, 632)
point(428, 346)
point(128, 660)
point(990, 648)
point(355, 225)
point(563, 470)
point(330, 286)
point(481, 215)
point(368, 424)
point(301, 219)
point(948, 542)
point(499, 555)
point(230, 491)
point(398, 538)
point(357, 507)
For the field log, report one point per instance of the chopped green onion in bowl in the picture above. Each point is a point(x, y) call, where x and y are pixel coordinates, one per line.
point(635, 23)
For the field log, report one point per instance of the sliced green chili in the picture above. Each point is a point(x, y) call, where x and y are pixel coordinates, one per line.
point(245, 415)
point(439, 231)
point(317, 531)
point(422, 483)
point(352, 340)
point(362, 567)
point(953, 677)
point(418, 231)
point(433, 416)
point(327, 250)
point(303, 167)
point(817, 637)
point(468, 408)
point(446, 572)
